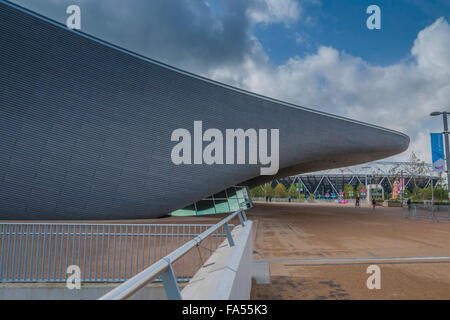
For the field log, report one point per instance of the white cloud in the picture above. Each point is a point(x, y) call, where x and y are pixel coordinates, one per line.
point(399, 96)
point(269, 11)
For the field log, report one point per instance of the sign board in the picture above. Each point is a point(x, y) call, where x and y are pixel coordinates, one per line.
point(437, 152)
point(350, 193)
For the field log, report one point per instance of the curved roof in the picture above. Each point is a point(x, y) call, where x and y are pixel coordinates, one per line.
point(86, 128)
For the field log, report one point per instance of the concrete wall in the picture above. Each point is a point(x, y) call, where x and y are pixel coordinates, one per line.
point(227, 274)
point(59, 291)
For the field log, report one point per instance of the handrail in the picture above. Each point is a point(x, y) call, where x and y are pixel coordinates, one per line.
point(164, 265)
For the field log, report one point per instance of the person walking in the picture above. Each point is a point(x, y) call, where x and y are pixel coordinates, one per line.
point(408, 203)
point(374, 203)
point(357, 202)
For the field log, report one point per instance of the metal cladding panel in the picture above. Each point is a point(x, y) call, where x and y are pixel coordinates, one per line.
point(85, 128)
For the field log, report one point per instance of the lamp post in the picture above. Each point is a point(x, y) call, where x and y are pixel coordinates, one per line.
point(402, 187)
point(447, 158)
point(367, 189)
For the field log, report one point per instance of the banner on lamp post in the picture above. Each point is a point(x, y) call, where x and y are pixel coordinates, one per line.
point(437, 152)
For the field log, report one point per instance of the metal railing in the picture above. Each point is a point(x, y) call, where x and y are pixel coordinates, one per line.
point(435, 213)
point(164, 266)
point(42, 252)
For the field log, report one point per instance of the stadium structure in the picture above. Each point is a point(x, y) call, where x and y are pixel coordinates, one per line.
point(386, 175)
point(85, 130)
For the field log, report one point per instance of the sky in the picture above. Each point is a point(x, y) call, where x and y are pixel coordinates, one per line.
point(314, 53)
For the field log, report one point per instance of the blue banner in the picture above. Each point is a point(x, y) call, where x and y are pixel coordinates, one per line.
point(437, 152)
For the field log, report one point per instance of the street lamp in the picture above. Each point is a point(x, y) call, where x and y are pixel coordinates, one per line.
point(367, 189)
point(444, 114)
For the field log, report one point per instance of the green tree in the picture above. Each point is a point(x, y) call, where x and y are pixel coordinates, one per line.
point(280, 191)
point(407, 194)
point(440, 192)
point(348, 188)
point(418, 194)
point(268, 190)
point(292, 192)
point(257, 192)
point(427, 194)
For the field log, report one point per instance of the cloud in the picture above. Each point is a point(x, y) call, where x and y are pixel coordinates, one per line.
point(189, 34)
point(399, 96)
point(186, 33)
point(269, 11)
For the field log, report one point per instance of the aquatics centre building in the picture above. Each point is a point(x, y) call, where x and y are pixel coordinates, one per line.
point(87, 131)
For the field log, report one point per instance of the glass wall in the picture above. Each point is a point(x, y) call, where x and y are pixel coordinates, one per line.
point(229, 200)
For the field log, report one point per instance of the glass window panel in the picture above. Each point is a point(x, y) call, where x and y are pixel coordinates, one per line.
point(186, 211)
point(240, 195)
point(220, 195)
point(205, 207)
point(245, 190)
point(233, 203)
point(231, 192)
point(222, 206)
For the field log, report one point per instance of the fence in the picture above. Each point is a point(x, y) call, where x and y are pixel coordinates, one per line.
point(427, 211)
point(164, 266)
point(273, 199)
point(41, 252)
point(297, 200)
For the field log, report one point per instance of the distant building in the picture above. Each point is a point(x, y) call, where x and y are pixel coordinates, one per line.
point(390, 176)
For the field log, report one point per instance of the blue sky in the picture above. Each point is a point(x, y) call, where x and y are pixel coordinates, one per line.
point(314, 53)
point(342, 25)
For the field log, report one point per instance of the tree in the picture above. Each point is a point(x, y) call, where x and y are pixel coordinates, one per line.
point(280, 191)
point(348, 188)
point(292, 192)
point(440, 192)
point(418, 194)
point(257, 192)
point(268, 190)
